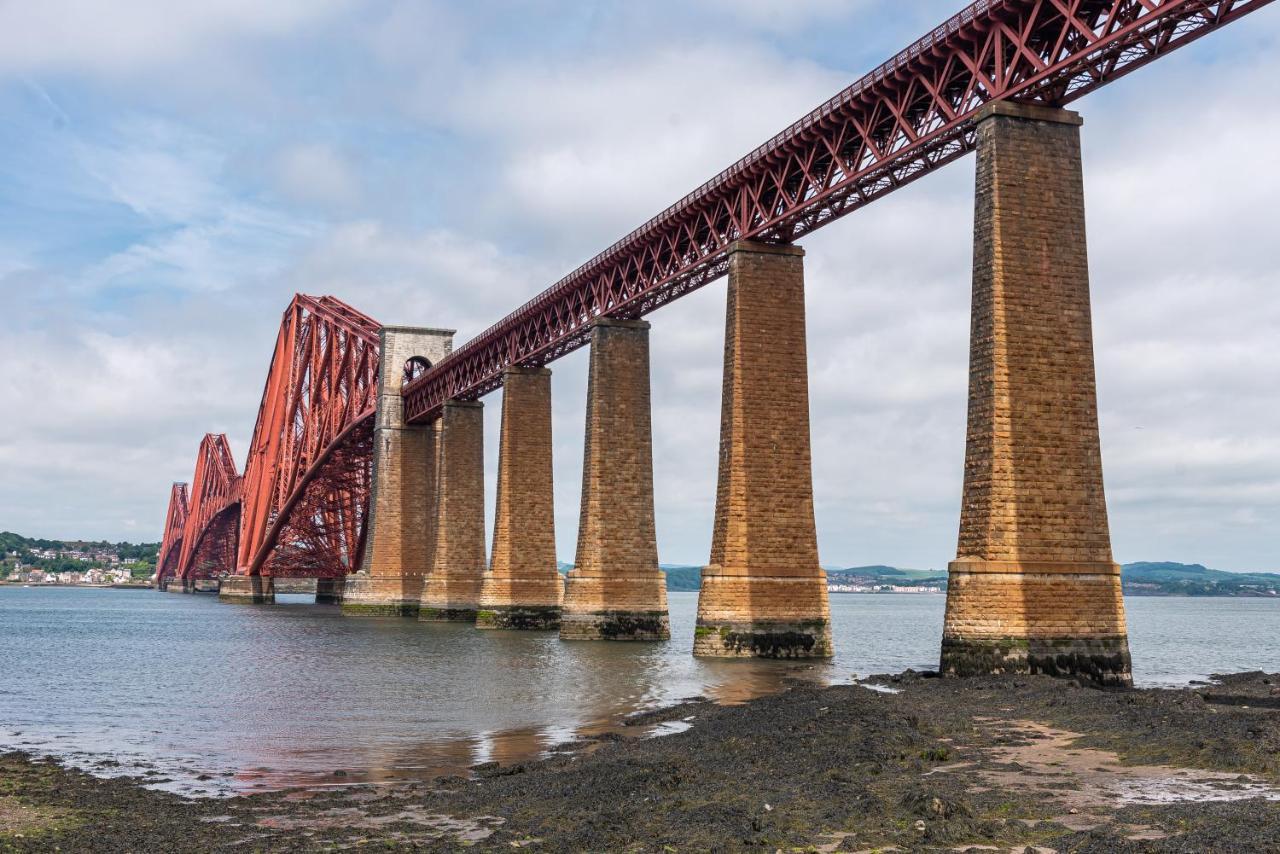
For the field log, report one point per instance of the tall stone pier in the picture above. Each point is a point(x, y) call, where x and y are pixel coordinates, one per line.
point(615, 590)
point(764, 593)
point(451, 591)
point(1034, 588)
point(399, 539)
point(523, 589)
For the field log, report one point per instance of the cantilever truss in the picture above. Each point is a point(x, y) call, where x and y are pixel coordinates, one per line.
point(208, 536)
point(900, 122)
point(175, 521)
point(308, 476)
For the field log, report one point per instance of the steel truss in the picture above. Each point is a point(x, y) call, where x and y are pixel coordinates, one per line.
point(208, 549)
point(902, 121)
point(175, 521)
point(308, 475)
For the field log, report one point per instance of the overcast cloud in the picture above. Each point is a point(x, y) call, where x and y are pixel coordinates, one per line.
point(171, 173)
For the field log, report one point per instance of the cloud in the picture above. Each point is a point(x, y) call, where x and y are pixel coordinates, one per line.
point(785, 17)
point(610, 141)
point(83, 36)
point(438, 164)
point(192, 231)
point(418, 278)
point(315, 174)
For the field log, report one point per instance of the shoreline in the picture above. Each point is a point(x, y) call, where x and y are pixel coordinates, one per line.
point(42, 584)
point(1128, 593)
point(920, 764)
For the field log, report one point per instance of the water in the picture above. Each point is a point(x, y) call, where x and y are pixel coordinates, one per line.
point(261, 697)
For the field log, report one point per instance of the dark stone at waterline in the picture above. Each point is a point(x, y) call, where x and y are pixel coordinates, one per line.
point(1103, 661)
point(519, 617)
point(447, 615)
point(808, 639)
point(617, 625)
point(380, 609)
point(247, 590)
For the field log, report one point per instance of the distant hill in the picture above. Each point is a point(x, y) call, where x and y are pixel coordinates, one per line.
point(1144, 578)
point(682, 577)
point(678, 577)
point(879, 574)
point(1192, 579)
point(1139, 579)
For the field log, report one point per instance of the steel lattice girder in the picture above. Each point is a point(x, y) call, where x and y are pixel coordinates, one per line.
point(175, 520)
point(305, 494)
point(215, 487)
point(900, 122)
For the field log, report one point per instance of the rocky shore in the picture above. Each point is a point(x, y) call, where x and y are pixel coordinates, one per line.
point(908, 763)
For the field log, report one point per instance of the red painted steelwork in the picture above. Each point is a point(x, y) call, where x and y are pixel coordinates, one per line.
point(215, 494)
point(175, 520)
point(307, 479)
point(900, 122)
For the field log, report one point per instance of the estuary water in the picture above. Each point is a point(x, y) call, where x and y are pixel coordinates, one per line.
point(209, 698)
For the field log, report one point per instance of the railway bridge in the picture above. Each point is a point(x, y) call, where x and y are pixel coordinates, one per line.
point(366, 466)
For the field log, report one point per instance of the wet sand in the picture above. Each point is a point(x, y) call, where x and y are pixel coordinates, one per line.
point(1008, 764)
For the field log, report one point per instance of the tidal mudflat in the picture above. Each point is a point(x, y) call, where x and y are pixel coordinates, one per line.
point(1004, 763)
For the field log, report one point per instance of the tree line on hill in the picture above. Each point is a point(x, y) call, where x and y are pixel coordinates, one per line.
point(74, 555)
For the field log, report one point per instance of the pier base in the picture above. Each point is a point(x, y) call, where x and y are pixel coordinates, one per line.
point(764, 593)
point(615, 590)
point(329, 590)
point(1034, 588)
point(523, 588)
point(247, 590)
point(451, 590)
point(400, 535)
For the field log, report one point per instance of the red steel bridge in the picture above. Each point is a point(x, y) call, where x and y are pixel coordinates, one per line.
point(301, 506)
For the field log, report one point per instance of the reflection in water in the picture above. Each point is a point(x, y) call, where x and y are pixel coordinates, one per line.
point(256, 697)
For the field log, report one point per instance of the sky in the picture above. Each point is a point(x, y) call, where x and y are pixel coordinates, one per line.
point(171, 173)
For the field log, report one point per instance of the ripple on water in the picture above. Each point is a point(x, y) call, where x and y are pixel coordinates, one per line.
point(254, 698)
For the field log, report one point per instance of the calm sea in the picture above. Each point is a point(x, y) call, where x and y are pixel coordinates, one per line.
point(260, 697)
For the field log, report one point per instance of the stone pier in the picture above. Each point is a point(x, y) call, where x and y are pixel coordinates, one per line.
point(247, 589)
point(451, 591)
point(764, 593)
point(615, 590)
point(522, 589)
point(1034, 588)
point(399, 538)
point(329, 590)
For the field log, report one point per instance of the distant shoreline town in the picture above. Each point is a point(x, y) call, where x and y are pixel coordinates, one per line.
point(81, 563)
point(75, 563)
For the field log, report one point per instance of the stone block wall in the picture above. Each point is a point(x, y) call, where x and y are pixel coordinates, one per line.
point(451, 590)
point(523, 589)
point(1034, 586)
point(615, 590)
point(402, 511)
point(247, 589)
point(764, 593)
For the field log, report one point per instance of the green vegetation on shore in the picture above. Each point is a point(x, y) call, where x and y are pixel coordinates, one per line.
point(53, 556)
point(1183, 579)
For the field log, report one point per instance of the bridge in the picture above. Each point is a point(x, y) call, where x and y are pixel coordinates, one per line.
point(366, 466)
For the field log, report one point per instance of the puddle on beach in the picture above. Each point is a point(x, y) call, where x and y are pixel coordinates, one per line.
point(1086, 781)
